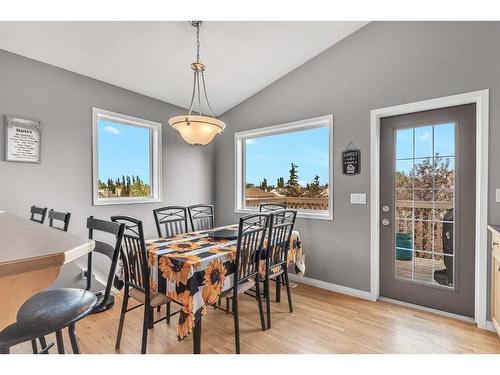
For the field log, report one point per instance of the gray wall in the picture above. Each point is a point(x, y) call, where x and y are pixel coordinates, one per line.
point(63, 102)
point(383, 64)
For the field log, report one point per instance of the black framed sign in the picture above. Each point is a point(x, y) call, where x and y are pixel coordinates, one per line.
point(22, 140)
point(351, 162)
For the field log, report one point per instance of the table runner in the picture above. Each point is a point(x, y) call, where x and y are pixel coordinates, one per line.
point(193, 270)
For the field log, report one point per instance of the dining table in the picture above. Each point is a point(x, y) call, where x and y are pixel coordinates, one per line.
point(31, 257)
point(194, 270)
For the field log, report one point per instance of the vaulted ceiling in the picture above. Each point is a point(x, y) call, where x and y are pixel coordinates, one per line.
point(153, 58)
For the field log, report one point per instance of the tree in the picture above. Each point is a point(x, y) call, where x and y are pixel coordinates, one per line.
point(293, 188)
point(249, 185)
point(313, 189)
point(280, 183)
point(263, 184)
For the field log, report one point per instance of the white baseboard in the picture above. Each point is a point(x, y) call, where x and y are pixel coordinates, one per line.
point(427, 309)
point(332, 287)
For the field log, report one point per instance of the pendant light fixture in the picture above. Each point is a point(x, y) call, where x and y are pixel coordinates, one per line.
point(196, 128)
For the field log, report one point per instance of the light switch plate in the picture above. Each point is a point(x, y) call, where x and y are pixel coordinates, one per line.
point(498, 195)
point(358, 198)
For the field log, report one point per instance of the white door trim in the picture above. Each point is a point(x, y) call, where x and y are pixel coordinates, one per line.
point(480, 98)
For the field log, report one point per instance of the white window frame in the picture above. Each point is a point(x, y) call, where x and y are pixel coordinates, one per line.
point(155, 157)
point(240, 163)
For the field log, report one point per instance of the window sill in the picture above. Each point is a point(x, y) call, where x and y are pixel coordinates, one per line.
point(300, 215)
point(115, 201)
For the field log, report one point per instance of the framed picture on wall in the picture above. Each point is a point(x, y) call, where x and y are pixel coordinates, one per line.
point(22, 140)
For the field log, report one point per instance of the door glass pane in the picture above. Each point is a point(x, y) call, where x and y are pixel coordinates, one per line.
point(444, 172)
point(424, 204)
point(444, 141)
point(404, 174)
point(444, 270)
point(404, 144)
point(404, 265)
point(443, 238)
point(423, 142)
point(404, 203)
point(404, 249)
point(423, 173)
point(423, 235)
point(423, 267)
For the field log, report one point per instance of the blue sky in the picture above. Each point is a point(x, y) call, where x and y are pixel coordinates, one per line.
point(423, 147)
point(123, 150)
point(270, 156)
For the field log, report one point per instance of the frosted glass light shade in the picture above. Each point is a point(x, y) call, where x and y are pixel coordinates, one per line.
point(197, 130)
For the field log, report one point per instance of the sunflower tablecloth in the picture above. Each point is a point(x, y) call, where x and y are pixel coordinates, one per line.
point(193, 269)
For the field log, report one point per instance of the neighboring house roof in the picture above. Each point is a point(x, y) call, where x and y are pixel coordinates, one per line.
point(255, 192)
point(325, 192)
point(276, 193)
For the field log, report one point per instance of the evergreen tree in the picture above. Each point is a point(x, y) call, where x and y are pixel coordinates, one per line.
point(292, 186)
point(313, 189)
point(263, 184)
point(280, 183)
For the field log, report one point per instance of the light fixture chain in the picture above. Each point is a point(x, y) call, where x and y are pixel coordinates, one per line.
point(198, 42)
point(192, 96)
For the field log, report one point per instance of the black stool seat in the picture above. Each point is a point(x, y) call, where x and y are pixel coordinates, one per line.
point(47, 312)
point(57, 308)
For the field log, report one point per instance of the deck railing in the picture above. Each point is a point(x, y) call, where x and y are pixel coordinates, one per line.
point(319, 204)
point(424, 230)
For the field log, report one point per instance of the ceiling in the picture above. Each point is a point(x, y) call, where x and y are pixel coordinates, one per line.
point(153, 58)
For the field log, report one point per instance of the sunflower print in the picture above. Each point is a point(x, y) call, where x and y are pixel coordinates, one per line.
point(152, 284)
point(177, 268)
point(186, 316)
point(213, 281)
point(262, 269)
point(182, 247)
point(151, 256)
point(291, 255)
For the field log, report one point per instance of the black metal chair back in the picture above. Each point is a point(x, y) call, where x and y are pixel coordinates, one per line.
point(173, 219)
point(270, 207)
point(251, 234)
point(59, 216)
point(112, 252)
point(201, 217)
point(41, 212)
point(280, 232)
point(133, 254)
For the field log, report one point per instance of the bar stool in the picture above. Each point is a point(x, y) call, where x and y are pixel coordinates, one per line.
point(48, 312)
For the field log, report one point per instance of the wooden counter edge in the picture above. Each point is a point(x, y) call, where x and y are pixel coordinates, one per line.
point(37, 263)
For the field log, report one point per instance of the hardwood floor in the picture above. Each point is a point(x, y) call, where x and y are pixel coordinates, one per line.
point(322, 322)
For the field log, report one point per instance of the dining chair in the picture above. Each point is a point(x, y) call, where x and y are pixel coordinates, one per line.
point(252, 231)
point(173, 218)
point(104, 299)
point(137, 280)
point(276, 257)
point(270, 207)
point(40, 212)
point(59, 216)
point(201, 217)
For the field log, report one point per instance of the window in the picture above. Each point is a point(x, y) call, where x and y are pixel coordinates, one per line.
point(286, 164)
point(126, 159)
